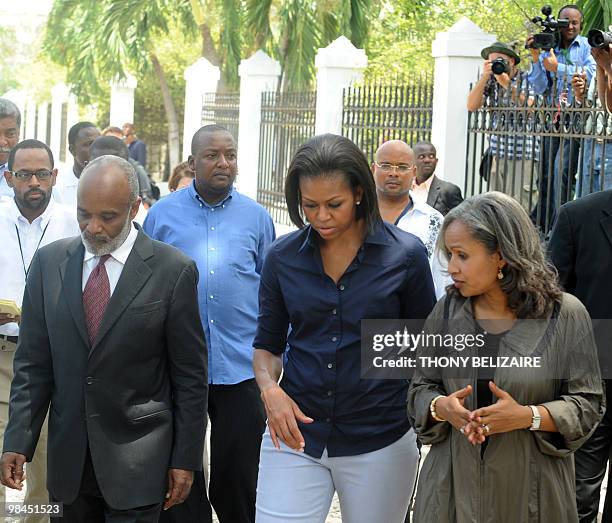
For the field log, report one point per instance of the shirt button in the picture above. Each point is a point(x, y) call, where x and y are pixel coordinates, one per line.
point(334, 312)
point(334, 338)
point(212, 248)
point(213, 209)
point(212, 321)
point(212, 228)
point(212, 297)
point(329, 392)
point(212, 272)
point(330, 365)
point(342, 287)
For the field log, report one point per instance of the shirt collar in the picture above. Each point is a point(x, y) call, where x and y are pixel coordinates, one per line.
point(194, 194)
point(43, 219)
point(378, 236)
point(122, 252)
point(425, 185)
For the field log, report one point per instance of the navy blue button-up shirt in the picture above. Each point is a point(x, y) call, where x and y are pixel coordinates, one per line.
point(228, 242)
point(389, 278)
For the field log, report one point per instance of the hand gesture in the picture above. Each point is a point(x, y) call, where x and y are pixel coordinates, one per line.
point(535, 53)
point(179, 485)
point(283, 415)
point(505, 415)
point(451, 408)
point(579, 86)
point(11, 470)
point(550, 63)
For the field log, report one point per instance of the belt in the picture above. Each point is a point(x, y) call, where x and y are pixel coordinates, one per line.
point(12, 339)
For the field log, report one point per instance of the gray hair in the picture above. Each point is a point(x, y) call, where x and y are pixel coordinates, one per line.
point(9, 110)
point(109, 160)
point(498, 221)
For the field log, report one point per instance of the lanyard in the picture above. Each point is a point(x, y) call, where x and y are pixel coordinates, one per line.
point(27, 270)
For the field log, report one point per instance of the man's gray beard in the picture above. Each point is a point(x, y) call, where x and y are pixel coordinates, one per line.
point(112, 244)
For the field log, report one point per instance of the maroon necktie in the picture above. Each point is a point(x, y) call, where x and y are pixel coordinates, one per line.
point(95, 298)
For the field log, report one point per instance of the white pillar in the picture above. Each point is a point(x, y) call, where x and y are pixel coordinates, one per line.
point(258, 74)
point(200, 77)
point(457, 61)
point(339, 65)
point(59, 96)
point(122, 101)
point(41, 128)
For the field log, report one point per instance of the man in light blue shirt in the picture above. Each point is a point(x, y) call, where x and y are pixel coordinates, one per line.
point(227, 234)
point(552, 73)
point(10, 122)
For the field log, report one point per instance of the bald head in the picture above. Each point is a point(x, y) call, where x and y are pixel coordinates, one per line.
point(107, 202)
point(396, 149)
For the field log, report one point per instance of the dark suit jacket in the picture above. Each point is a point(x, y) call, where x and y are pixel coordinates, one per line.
point(137, 397)
point(443, 196)
point(580, 247)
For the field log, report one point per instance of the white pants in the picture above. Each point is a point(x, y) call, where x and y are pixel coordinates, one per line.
point(372, 487)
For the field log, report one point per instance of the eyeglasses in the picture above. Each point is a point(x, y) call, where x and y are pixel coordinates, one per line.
point(27, 176)
point(402, 168)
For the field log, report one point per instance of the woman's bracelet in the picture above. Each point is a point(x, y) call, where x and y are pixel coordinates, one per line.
point(432, 408)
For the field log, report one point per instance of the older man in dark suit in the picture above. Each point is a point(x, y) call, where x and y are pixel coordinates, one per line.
point(581, 249)
point(111, 339)
point(427, 187)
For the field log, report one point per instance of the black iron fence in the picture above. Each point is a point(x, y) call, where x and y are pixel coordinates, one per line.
point(222, 109)
point(376, 113)
point(287, 121)
point(543, 150)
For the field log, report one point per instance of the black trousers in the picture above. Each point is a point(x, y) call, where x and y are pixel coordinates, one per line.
point(237, 422)
point(591, 463)
point(90, 507)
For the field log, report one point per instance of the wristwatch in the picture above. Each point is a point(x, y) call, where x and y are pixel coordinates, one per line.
point(432, 408)
point(536, 418)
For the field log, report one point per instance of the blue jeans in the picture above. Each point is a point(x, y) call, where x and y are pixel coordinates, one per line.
point(598, 177)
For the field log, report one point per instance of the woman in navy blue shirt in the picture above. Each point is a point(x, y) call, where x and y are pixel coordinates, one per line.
point(328, 429)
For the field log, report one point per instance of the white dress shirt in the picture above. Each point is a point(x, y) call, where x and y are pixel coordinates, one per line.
point(65, 190)
point(114, 265)
point(56, 223)
point(425, 222)
point(5, 190)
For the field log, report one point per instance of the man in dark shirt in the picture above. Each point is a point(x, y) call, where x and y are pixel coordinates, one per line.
point(138, 149)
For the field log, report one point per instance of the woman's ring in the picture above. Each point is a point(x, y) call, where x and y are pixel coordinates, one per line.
point(462, 430)
point(486, 428)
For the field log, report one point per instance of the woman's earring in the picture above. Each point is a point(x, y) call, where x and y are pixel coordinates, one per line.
point(358, 202)
point(500, 274)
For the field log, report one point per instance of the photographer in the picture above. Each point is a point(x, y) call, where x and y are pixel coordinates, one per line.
point(551, 74)
point(603, 59)
point(514, 156)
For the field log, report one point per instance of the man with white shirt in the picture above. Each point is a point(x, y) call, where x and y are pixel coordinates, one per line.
point(10, 122)
point(80, 137)
point(111, 342)
point(394, 170)
point(27, 222)
point(427, 187)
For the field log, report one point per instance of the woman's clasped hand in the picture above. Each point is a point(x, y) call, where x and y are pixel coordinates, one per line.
point(504, 415)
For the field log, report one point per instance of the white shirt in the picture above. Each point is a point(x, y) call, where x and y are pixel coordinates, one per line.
point(65, 189)
point(5, 190)
point(114, 265)
point(425, 222)
point(420, 192)
point(57, 222)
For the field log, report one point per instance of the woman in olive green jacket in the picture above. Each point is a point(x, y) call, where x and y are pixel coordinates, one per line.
point(501, 450)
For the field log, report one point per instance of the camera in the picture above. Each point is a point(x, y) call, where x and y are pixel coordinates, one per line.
point(547, 39)
point(499, 66)
point(599, 39)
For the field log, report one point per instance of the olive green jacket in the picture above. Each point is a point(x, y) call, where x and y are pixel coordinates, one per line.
point(523, 476)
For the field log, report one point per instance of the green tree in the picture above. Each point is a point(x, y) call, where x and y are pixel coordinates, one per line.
point(597, 14)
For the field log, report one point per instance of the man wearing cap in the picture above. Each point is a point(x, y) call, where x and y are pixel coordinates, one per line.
point(514, 157)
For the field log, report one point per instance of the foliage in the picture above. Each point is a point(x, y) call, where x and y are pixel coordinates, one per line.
point(597, 14)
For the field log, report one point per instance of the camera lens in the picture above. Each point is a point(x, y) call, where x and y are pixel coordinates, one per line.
point(599, 39)
point(498, 66)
